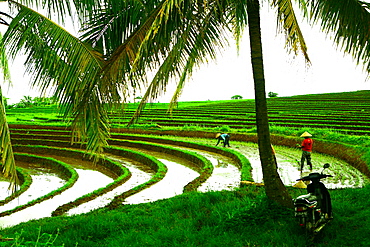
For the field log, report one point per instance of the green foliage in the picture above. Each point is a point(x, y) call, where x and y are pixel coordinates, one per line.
point(224, 129)
point(236, 218)
point(349, 119)
point(191, 127)
point(324, 134)
point(272, 94)
point(237, 97)
point(259, 212)
point(28, 102)
point(145, 126)
point(43, 239)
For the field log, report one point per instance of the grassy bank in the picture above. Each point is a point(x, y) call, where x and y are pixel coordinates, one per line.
point(238, 218)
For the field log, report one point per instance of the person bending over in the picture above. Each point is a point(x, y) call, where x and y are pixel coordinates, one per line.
point(225, 138)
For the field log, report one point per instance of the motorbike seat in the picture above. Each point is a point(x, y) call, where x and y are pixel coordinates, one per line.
point(308, 199)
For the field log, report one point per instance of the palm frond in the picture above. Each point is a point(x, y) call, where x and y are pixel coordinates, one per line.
point(58, 8)
point(201, 38)
point(6, 150)
point(238, 20)
point(62, 9)
point(59, 60)
point(288, 23)
point(115, 22)
point(2, 20)
point(349, 21)
point(4, 67)
point(91, 120)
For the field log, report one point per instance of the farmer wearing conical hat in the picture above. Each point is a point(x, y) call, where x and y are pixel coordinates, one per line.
point(306, 147)
point(224, 138)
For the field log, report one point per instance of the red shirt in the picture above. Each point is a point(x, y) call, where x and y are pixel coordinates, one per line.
point(307, 144)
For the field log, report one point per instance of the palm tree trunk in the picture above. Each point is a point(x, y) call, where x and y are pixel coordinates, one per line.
point(275, 189)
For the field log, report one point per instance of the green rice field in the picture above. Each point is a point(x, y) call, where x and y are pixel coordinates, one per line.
point(65, 199)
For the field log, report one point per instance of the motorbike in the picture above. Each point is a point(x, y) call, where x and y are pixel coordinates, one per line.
point(313, 210)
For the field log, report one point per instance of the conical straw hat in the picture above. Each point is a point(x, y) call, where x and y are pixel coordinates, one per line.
point(218, 134)
point(306, 134)
point(300, 184)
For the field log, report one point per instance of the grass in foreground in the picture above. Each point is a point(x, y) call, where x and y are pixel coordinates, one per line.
point(238, 218)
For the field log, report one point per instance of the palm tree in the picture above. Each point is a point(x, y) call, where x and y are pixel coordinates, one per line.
point(331, 13)
point(275, 188)
point(124, 40)
point(56, 59)
point(8, 168)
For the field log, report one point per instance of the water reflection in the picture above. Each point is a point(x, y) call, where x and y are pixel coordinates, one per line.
point(137, 177)
point(4, 192)
point(345, 176)
point(87, 182)
point(172, 184)
point(225, 176)
point(42, 184)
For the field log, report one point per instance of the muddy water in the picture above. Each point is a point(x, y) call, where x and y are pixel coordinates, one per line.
point(138, 177)
point(36, 190)
point(87, 182)
point(171, 185)
point(344, 175)
point(4, 192)
point(287, 167)
point(225, 177)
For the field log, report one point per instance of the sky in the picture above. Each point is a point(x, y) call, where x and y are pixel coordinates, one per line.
point(231, 74)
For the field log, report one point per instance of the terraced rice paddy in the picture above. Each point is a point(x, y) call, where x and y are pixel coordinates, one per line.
point(345, 112)
point(348, 113)
point(179, 173)
point(57, 177)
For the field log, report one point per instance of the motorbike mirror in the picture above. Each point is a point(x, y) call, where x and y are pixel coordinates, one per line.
point(327, 165)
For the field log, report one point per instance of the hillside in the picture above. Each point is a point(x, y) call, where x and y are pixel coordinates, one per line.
point(98, 215)
point(347, 112)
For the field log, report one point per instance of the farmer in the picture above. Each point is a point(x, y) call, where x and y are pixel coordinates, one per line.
point(306, 147)
point(224, 138)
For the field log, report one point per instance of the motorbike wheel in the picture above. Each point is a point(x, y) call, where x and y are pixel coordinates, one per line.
point(309, 228)
point(302, 221)
point(310, 223)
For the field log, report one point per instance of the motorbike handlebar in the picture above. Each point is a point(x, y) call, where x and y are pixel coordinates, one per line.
point(313, 177)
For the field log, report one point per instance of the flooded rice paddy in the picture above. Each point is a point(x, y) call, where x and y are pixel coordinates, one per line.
point(225, 176)
point(87, 182)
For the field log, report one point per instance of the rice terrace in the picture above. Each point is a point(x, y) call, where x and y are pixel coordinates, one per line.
point(163, 182)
